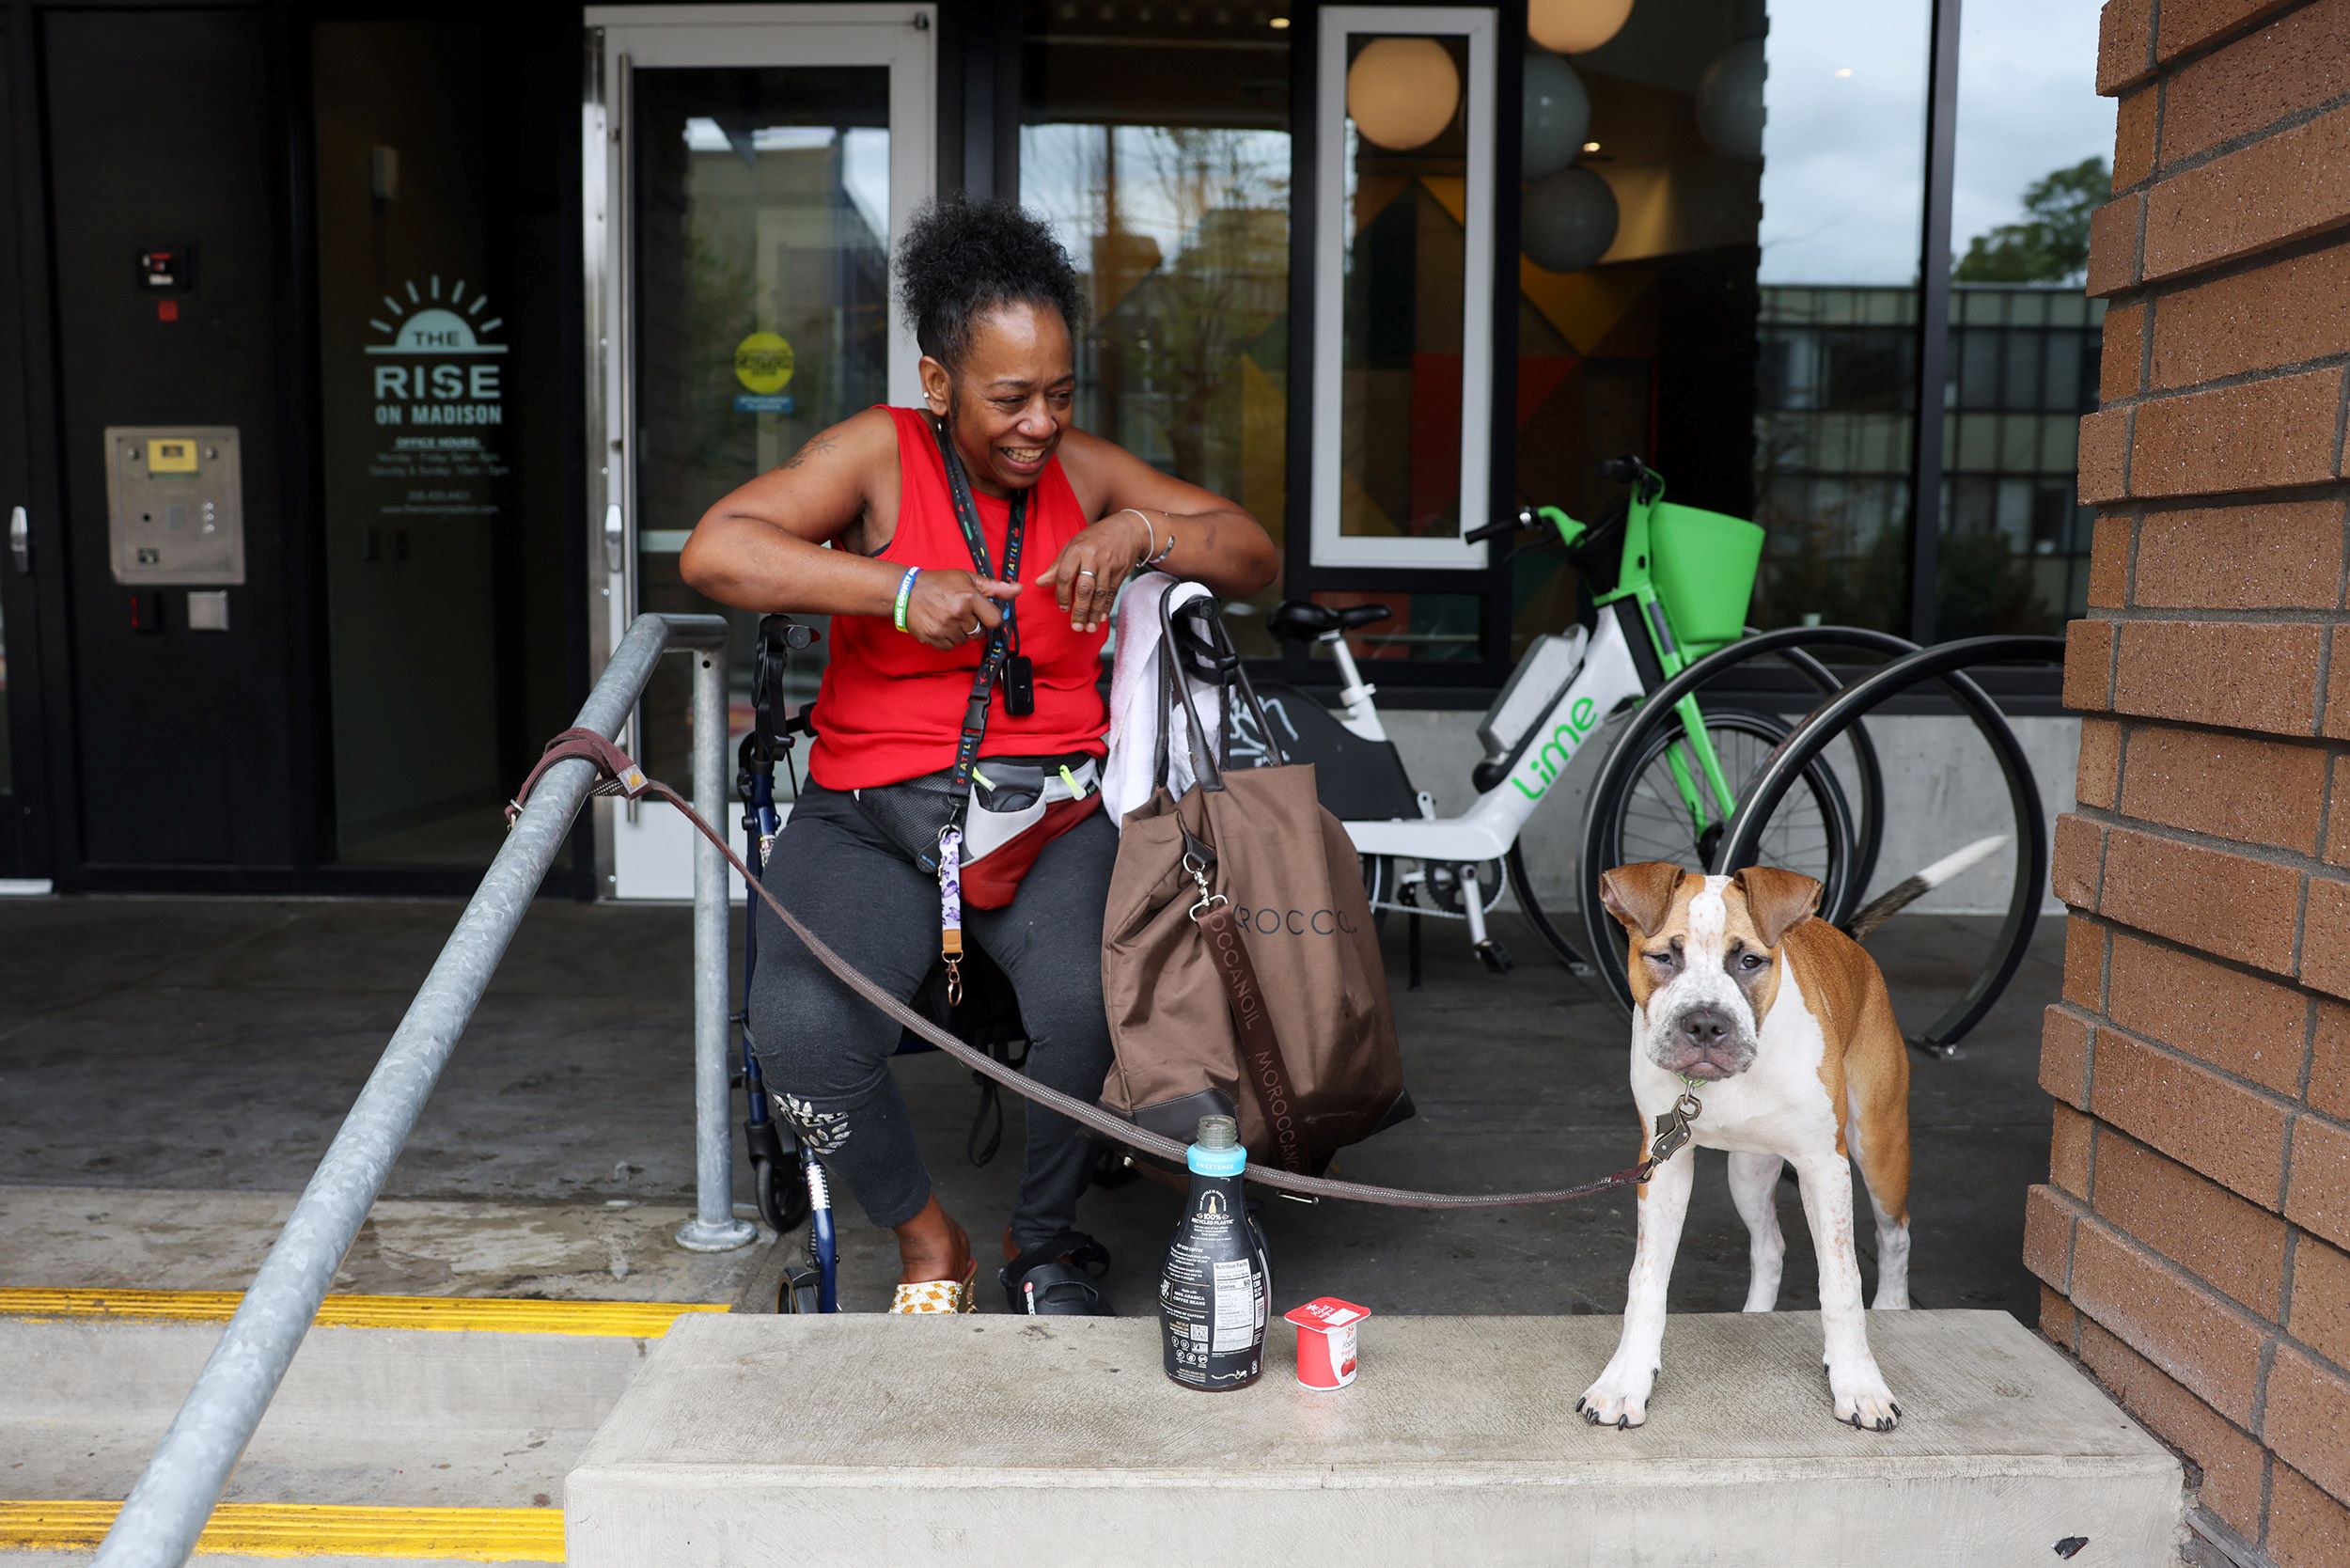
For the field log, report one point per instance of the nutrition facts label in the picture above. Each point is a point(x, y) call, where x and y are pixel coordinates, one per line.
point(1237, 1306)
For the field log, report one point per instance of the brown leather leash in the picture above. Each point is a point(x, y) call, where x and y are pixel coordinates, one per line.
point(624, 778)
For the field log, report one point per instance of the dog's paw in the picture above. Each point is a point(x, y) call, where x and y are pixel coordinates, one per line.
point(1618, 1399)
point(1862, 1400)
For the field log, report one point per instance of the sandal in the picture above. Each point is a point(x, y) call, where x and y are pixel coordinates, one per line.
point(939, 1296)
point(1056, 1280)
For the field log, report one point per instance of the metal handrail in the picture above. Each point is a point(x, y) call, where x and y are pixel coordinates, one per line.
point(184, 1480)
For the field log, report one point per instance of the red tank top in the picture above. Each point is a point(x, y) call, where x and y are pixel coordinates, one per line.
point(890, 707)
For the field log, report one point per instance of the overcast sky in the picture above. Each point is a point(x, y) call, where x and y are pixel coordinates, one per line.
point(1843, 155)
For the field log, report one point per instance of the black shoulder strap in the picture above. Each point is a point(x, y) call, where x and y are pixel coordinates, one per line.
point(999, 641)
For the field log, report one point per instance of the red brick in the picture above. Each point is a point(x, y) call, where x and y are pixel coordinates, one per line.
point(2277, 190)
point(2232, 674)
point(2216, 1235)
point(2335, 723)
point(2281, 556)
point(2254, 435)
point(2125, 45)
point(2285, 313)
point(2085, 962)
point(2122, 360)
point(2087, 664)
point(2287, 68)
point(2109, 561)
point(2231, 905)
point(2136, 122)
point(2228, 1132)
point(2181, 1326)
point(2230, 1461)
point(2250, 1027)
point(2064, 1058)
point(2319, 1314)
point(2113, 234)
point(2306, 1420)
point(2103, 456)
point(2326, 937)
point(2329, 1062)
point(2098, 769)
point(2235, 786)
point(2306, 1528)
point(2068, 1151)
point(2191, 23)
point(2318, 1196)
point(2337, 850)
point(2058, 1321)
point(2074, 869)
point(2048, 1220)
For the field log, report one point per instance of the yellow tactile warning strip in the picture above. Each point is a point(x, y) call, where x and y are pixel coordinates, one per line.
point(301, 1529)
point(639, 1320)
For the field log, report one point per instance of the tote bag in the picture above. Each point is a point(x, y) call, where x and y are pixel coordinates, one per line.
point(1239, 962)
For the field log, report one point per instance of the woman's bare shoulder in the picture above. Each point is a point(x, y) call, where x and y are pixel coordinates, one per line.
point(863, 439)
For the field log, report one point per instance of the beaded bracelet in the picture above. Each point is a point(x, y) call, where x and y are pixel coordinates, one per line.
point(905, 592)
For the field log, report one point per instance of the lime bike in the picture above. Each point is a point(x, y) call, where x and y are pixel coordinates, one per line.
point(1666, 584)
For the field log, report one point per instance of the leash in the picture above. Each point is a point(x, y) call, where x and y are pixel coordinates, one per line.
point(625, 778)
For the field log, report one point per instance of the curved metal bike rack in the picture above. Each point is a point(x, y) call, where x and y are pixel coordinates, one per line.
point(2032, 851)
point(1909, 666)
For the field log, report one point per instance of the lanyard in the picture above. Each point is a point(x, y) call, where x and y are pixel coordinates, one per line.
point(1019, 698)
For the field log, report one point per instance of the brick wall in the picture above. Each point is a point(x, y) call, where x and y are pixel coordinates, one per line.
point(2194, 1235)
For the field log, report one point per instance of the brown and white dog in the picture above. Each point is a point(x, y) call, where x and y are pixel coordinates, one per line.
point(1783, 1024)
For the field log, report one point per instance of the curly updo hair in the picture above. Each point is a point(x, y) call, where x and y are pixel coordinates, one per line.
point(963, 258)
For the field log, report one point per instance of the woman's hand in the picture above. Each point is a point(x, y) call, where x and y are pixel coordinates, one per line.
point(948, 608)
point(1086, 577)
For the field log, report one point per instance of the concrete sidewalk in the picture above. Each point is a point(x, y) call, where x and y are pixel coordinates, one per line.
point(172, 1068)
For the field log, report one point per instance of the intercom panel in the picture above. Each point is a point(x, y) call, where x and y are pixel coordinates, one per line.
point(175, 509)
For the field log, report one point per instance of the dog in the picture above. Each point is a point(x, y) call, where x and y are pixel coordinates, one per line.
point(1781, 1027)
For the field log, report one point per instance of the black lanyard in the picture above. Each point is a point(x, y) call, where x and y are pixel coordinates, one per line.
point(1000, 659)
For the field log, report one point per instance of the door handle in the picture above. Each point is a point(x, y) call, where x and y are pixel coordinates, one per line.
point(21, 540)
point(615, 537)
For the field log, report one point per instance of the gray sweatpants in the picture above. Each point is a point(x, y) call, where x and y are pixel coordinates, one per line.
point(825, 1050)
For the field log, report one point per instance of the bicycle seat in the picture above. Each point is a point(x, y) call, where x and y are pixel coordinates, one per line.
point(1300, 620)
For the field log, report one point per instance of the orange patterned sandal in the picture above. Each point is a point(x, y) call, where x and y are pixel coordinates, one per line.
point(939, 1296)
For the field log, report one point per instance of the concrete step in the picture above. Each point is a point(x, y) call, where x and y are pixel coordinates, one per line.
point(984, 1441)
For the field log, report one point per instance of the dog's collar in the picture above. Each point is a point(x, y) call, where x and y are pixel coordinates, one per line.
point(1672, 1126)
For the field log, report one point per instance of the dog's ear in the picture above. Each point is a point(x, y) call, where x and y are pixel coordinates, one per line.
point(1777, 901)
point(1640, 895)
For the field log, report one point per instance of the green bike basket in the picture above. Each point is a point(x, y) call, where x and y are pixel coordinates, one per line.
point(1703, 564)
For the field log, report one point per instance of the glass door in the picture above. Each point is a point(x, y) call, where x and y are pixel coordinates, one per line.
point(748, 169)
point(27, 545)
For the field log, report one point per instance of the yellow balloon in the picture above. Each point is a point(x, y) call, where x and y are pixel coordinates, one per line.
point(1402, 92)
point(1575, 26)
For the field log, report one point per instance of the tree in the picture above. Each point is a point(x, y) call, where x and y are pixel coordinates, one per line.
point(2051, 244)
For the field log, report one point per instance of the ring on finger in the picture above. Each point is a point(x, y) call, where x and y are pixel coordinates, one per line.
point(1087, 572)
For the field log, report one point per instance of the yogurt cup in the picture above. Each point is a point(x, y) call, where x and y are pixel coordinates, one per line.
point(1326, 1342)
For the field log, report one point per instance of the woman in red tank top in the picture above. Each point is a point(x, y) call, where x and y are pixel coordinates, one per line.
point(861, 525)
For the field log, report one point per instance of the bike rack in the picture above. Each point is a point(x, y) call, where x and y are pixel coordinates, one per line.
point(1909, 666)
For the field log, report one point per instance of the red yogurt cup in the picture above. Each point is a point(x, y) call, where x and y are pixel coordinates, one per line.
point(1326, 1342)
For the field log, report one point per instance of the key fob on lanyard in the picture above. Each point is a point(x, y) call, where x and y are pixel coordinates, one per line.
point(1019, 686)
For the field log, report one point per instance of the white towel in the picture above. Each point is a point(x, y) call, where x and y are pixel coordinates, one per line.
point(1135, 716)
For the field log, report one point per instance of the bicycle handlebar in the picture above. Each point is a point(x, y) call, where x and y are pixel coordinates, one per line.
point(1622, 470)
point(1501, 528)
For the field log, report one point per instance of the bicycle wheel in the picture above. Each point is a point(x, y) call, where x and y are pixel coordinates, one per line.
point(1644, 818)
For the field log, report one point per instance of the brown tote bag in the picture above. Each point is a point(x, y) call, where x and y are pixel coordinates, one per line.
point(1239, 962)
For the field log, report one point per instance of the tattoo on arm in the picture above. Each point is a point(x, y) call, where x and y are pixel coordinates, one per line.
point(817, 447)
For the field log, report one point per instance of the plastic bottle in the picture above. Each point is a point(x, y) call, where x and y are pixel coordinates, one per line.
point(1213, 1290)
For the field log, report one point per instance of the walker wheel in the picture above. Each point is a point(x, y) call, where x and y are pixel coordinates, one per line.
point(800, 1292)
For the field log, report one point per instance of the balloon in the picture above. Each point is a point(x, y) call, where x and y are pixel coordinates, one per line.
point(1730, 102)
point(1571, 26)
point(1402, 92)
point(1558, 114)
point(1567, 221)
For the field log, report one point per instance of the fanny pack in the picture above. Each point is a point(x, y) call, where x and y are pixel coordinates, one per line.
point(1011, 809)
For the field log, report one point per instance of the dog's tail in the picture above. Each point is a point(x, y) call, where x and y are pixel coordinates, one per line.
point(1909, 889)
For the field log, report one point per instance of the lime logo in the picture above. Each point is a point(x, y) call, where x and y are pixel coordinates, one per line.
point(762, 363)
point(1546, 765)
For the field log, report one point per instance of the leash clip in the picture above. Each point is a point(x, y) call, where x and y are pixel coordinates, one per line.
point(1208, 897)
point(1672, 1126)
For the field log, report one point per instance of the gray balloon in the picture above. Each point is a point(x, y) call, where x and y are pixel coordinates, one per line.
point(1558, 114)
point(1568, 220)
point(1730, 102)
